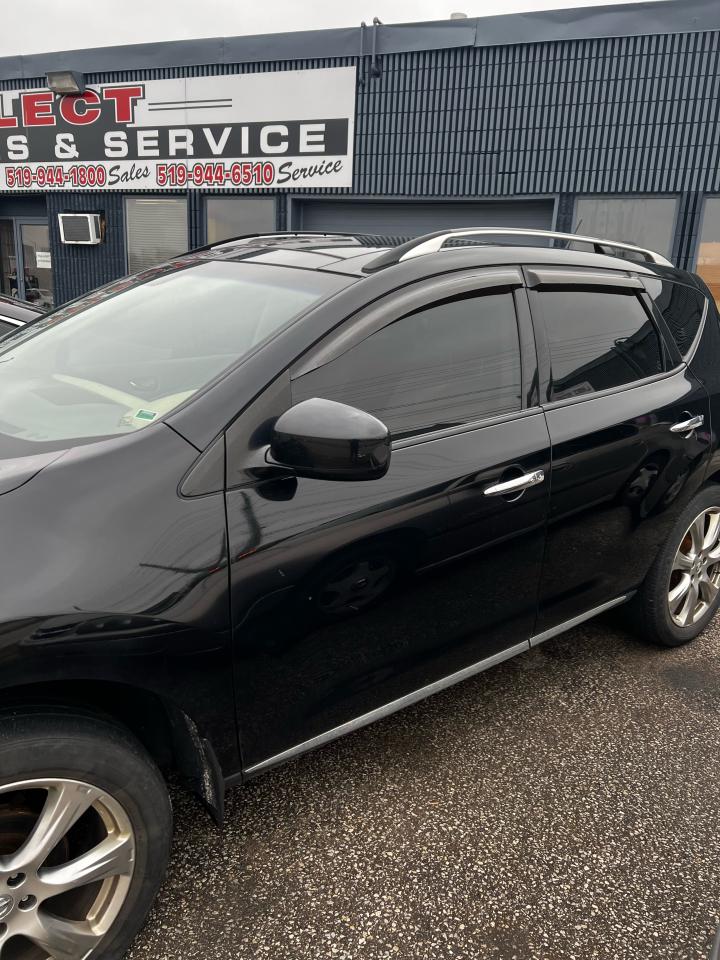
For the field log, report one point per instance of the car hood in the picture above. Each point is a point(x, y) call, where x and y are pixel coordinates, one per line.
point(16, 471)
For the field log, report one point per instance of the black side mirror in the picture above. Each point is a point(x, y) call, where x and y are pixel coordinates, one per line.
point(325, 440)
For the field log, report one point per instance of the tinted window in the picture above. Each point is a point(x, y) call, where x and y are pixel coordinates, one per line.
point(441, 366)
point(682, 308)
point(6, 327)
point(597, 340)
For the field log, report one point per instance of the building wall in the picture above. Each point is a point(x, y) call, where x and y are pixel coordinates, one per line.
point(77, 269)
point(620, 115)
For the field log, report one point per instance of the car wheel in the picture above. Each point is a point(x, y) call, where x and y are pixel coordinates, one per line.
point(681, 593)
point(85, 829)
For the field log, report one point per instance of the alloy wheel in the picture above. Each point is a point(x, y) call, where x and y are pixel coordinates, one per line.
point(695, 574)
point(67, 854)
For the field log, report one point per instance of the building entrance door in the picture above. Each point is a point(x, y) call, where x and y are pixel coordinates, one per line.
point(25, 261)
point(8, 260)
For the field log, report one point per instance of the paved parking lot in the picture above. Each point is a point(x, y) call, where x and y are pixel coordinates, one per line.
point(563, 805)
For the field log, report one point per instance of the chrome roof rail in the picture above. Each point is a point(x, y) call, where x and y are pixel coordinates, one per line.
point(433, 242)
point(279, 235)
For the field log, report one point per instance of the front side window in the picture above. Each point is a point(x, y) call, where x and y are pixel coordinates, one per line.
point(682, 308)
point(451, 363)
point(597, 340)
point(125, 355)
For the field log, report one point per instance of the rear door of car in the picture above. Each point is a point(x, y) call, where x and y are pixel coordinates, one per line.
point(629, 426)
point(351, 599)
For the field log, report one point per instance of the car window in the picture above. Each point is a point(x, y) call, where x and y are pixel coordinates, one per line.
point(6, 327)
point(124, 356)
point(682, 308)
point(597, 340)
point(447, 364)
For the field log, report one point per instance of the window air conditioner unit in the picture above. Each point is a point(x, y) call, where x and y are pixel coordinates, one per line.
point(84, 228)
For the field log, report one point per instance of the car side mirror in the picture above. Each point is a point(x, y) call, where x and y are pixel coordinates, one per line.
point(325, 440)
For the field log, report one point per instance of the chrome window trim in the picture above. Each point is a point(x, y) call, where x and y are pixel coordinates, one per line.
point(696, 342)
point(468, 427)
point(13, 320)
point(622, 388)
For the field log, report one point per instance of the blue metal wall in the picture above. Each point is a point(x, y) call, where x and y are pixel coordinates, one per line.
point(618, 115)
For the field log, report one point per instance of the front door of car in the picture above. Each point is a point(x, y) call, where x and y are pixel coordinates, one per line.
point(350, 597)
point(630, 428)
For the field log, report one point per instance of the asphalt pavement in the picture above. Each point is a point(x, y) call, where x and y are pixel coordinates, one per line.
point(562, 806)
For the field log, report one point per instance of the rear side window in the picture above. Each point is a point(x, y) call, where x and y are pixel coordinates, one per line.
point(682, 307)
point(597, 340)
point(448, 364)
point(6, 327)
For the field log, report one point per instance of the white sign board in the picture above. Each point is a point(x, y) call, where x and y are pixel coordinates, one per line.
point(287, 129)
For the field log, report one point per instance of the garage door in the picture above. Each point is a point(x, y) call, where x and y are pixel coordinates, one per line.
point(410, 219)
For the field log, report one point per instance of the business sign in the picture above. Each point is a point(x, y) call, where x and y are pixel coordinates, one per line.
point(288, 129)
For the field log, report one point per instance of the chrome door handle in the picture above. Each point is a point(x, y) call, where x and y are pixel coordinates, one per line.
point(687, 426)
point(516, 484)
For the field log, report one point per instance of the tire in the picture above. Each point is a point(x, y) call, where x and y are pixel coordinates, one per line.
point(651, 615)
point(72, 761)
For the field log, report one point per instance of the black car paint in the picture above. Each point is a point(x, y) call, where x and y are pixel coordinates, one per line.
point(15, 314)
point(177, 562)
point(18, 310)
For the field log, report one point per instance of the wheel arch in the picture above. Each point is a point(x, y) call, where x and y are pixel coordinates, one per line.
point(169, 735)
point(712, 479)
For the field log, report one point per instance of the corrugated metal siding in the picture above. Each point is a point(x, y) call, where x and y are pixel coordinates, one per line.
point(613, 115)
point(405, 219)
point(627, 114)
point(79, 269)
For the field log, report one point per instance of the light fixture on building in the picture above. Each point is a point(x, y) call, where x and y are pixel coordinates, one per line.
point(66, 81)
point(458, 16)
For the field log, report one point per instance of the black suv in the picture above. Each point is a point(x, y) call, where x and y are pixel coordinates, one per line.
point(262, 495)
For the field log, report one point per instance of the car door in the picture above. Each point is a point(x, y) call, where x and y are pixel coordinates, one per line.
point(351, 599)
point(629, 426)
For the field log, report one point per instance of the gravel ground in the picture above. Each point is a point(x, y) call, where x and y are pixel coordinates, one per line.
point(562, 805)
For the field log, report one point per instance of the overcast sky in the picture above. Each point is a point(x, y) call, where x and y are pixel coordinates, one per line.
point(36, 26)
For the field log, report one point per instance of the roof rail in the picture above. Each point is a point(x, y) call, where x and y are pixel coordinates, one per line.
point(249, 237)
point(432, 242)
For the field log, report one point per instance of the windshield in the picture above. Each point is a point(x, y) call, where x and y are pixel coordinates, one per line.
point(125, 355)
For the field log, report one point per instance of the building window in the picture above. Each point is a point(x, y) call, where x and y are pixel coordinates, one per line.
point(645, 221)
point(235, 216)
point(157, 229)
point(708, 264)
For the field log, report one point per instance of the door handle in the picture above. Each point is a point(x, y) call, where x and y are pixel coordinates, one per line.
point(687, 426)
point(516, 485)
